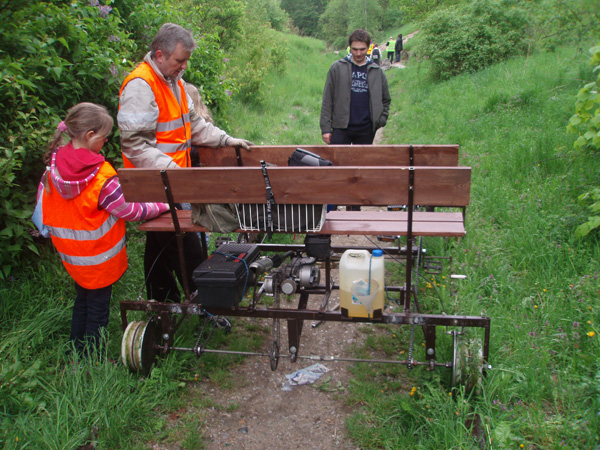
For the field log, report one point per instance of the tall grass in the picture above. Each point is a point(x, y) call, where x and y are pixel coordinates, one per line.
point(290, 111)
point(524, 267)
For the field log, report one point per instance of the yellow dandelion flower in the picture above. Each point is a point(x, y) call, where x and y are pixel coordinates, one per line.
point(522, 445)
point(535, 306)
point(591, 333)
point(544, 290)
point(589, 322)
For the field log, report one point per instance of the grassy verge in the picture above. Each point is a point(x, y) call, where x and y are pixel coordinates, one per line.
point(524, 268)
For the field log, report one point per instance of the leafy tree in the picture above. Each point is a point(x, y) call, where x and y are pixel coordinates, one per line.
point(586, 123)
point(271, 12)
point(333, 24)
point(417, 10)
point(305, 14)
point(472, 36)
point(341, 17)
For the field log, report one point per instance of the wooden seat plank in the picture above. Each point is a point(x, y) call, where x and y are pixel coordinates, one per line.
point(347, 222)
point(339, 155)
point(441, 186)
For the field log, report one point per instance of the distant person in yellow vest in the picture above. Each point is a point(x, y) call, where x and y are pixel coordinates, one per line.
point(390, 49)
point(370, 49)
point(84, 211)
point(157, 130)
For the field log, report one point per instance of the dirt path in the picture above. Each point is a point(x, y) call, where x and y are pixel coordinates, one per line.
point(306, 417)
point(257, 414)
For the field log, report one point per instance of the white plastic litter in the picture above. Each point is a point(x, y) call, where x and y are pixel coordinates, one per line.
point(308, 375)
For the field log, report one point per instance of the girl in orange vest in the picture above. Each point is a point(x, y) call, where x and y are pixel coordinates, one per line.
point(84, 210)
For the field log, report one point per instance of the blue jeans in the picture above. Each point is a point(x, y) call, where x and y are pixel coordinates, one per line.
point(90, 316)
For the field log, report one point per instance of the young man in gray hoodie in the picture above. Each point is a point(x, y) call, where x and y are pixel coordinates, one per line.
point(356, 98)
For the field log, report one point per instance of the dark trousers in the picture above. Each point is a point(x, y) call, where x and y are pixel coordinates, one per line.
point(161, 264)
point(391, 56)
point(90, 316)
point(398, 56)
point(346, 136)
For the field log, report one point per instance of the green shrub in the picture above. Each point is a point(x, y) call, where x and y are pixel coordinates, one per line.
point(472, 36)
point(54, 55)
point(586, 123)
point(58, 53)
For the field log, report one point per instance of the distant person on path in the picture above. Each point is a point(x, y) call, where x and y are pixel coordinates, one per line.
point(398, 48)
point(371, 47)
point(356, 98)
point(390, 49)
point(376, 55)
point(84, 210)
point(157, 130)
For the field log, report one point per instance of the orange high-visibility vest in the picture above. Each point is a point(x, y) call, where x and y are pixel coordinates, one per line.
point(173, 129)
point(89, 240)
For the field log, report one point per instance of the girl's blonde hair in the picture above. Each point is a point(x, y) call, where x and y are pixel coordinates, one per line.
point(199, 105)
point(80, 119)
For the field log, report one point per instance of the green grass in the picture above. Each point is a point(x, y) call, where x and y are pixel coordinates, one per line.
point(524, 269)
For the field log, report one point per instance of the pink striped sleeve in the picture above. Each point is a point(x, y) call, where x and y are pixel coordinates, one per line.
point(112, 200)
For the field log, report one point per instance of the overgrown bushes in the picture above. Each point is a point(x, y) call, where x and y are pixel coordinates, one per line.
point(472, 36)
point(586, 123)
point(53, 56)
point(57, 53)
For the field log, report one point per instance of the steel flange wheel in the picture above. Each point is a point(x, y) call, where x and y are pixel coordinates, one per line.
point(138, 347)
point(467, 363)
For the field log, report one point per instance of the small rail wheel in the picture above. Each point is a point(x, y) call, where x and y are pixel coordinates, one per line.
point(274, 355)
point(138, 347)
point(467, 363)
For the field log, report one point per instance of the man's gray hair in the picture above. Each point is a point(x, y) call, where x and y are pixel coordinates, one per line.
point(167, 38)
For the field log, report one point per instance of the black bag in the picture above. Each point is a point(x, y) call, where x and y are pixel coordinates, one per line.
point(216, 217)
point(302, 157)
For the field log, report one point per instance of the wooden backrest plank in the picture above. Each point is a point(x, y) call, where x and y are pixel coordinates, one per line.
point(440, 186)
point(339, 155)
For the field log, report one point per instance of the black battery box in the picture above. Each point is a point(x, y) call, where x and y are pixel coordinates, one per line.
point(318, 245)
point(223, 278)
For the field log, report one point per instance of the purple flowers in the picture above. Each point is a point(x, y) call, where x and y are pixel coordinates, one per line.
point(114, 70)
point(104, 10)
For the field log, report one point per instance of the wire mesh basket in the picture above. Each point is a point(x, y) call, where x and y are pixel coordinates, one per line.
point(295, 218)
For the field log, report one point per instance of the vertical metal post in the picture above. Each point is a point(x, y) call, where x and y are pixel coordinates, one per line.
point(178, 234)
point(409, 239)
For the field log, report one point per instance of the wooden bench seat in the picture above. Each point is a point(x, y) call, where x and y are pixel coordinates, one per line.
point(446, 224)
point(361, 175)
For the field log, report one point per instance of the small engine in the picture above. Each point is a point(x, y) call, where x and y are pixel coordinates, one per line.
point(300, 272)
